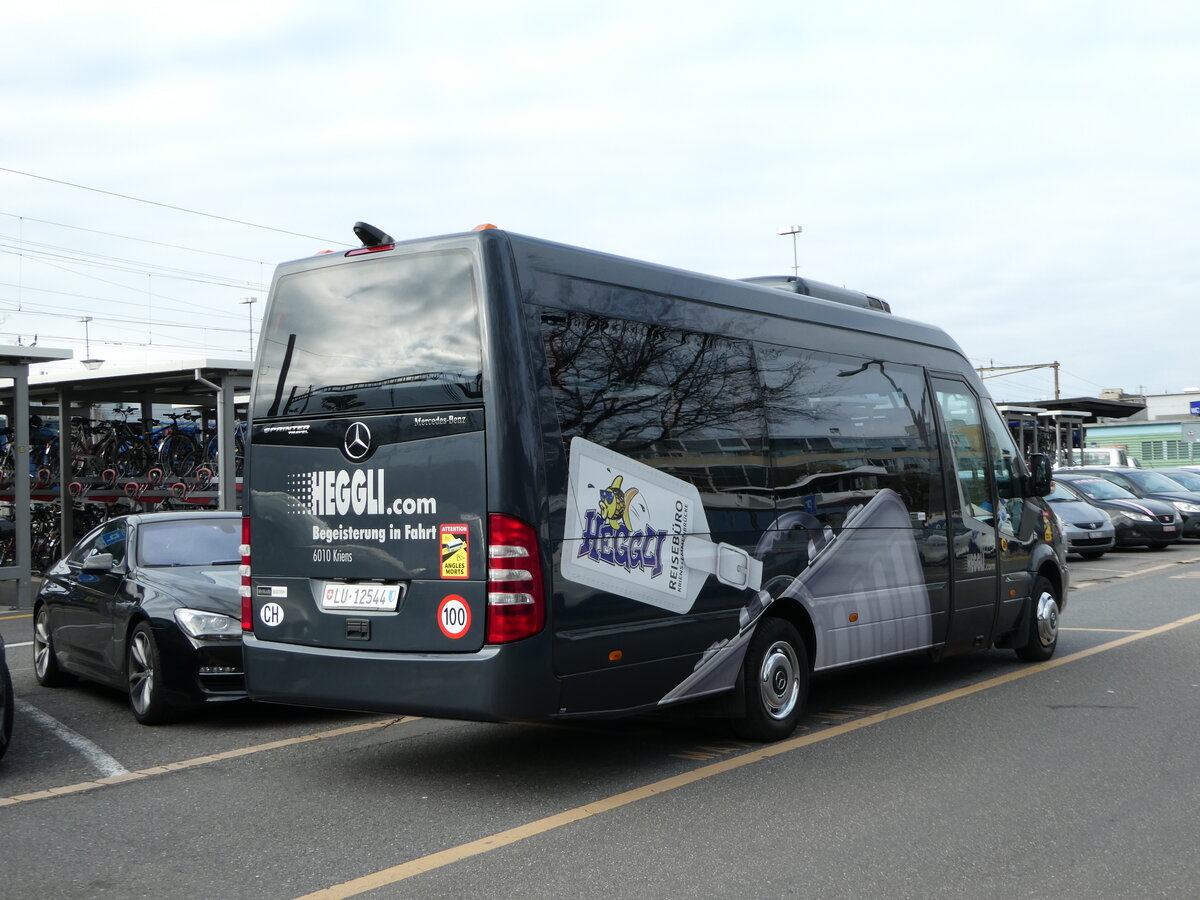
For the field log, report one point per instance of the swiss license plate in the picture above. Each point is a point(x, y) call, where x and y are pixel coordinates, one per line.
point(379, 597)
point(1096, 534)
point(1168, 528)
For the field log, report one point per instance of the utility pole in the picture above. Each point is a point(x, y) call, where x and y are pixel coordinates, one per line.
point(793, 230)
point(1012, 370)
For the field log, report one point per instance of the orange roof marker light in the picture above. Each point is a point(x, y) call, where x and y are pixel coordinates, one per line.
point(483, 227)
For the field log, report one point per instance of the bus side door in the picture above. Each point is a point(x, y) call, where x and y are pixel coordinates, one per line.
point(972, 534)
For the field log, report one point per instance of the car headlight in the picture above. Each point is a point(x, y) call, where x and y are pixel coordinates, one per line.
point(200, 624)
point(1186, 507)
point(1132, 516)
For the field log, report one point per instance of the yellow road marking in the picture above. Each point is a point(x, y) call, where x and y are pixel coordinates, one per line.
point(22, 616)
point(1107, 630)
point(442, 858)
point(200, 761)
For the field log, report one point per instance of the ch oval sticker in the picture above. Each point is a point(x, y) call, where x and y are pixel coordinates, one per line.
point(271, 614)
point(454, 617)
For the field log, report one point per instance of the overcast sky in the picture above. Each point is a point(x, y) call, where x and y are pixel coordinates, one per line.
point(1022, 174)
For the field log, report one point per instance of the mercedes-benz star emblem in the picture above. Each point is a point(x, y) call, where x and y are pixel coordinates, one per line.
point(357, 443)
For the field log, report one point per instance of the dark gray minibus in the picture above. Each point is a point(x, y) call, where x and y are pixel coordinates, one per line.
point(497, 478)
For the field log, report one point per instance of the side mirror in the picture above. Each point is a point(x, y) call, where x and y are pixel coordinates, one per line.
point(101, 562)
point(1039, 478)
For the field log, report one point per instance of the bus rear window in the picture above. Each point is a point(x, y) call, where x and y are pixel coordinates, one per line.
point(391, 332)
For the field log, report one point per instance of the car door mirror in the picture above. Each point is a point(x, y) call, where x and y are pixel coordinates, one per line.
point(1039, 477)
point(101, 562)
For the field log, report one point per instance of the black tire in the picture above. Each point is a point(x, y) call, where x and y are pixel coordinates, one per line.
point(6, 710)
point(45, 662)
point(178, 454)
point(1042, 622)
point(774, 680)
point(1093, 554)
point(143, 670)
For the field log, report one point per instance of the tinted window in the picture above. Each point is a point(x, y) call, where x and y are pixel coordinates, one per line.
point(1058, 492)
point(686, 403)
point(841, 429)
point(377, 333)
point(108, 538)
point(1189, 480)
point(1008, 470)
point(1153, 481)
point(1099, 489)
point(190, 542)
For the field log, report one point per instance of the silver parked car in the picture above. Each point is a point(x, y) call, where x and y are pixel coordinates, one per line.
point(1088, 529)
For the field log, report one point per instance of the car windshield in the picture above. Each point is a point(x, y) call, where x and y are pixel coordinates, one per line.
point(1099, 489)
point(1190, 480)
point(190, 542)
point(1058, 492)
point(1153, 481)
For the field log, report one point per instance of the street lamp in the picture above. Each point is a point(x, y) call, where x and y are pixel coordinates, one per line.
point(793, 230)
point(88, 362)
point(249, 302)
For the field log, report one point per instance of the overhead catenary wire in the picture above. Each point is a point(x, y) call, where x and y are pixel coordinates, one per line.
point(194, 212)
point(26, 305)
point(26, 311)
point(126, 237)
point(117, 264)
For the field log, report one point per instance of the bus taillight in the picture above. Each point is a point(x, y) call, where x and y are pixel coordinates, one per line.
point(244, 569)
point(516, 606)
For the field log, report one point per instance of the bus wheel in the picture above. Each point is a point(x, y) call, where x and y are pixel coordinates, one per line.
point(775, 681)
point(1043, 623)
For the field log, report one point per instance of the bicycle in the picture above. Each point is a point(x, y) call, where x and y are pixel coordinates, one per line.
point(178, 450)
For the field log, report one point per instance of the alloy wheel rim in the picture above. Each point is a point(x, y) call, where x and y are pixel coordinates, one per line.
point(141, 672)
point(41, 646)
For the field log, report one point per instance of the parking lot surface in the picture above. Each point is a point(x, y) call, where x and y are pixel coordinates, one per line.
point(978, 776)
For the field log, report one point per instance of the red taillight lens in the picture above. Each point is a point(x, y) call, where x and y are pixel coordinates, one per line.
point(516, 600)
point(247, 606)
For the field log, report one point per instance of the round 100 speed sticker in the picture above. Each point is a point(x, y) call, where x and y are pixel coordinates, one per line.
point(454, 616)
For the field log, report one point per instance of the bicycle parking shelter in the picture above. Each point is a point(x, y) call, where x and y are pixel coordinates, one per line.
point(210, 385)
point(14, 364)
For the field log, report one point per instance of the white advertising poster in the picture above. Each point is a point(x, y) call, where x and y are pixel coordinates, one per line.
point(625, 529)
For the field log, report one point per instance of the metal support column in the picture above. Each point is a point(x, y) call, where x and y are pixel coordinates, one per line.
point(20, 571)
point(66, 474)
point(226, 420)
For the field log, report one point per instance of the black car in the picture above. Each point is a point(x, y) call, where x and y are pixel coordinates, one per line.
point(6, 703)
point(1139, 522)
point(1152, 484)
point(148, 604)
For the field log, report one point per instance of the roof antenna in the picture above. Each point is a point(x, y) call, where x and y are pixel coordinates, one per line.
point(371, 236)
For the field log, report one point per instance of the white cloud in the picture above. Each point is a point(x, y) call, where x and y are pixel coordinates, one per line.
point(1013, 173)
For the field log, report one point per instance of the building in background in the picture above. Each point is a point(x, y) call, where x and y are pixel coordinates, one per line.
point(1165, 432)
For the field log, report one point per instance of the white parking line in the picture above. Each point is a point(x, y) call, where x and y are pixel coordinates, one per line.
point(99, 760)
point(26, 644)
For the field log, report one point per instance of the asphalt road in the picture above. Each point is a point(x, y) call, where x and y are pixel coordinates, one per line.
point(980, 776)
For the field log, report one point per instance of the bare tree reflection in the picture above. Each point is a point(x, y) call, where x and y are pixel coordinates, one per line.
point(627, 385)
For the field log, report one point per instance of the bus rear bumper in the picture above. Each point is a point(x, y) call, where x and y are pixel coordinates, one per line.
point(495, 684)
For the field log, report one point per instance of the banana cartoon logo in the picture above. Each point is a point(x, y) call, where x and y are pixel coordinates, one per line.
point(614, 504)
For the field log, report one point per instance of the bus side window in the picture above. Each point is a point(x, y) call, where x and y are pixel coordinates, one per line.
point(1008, 470)
point(961, 412)
point(682, 402)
